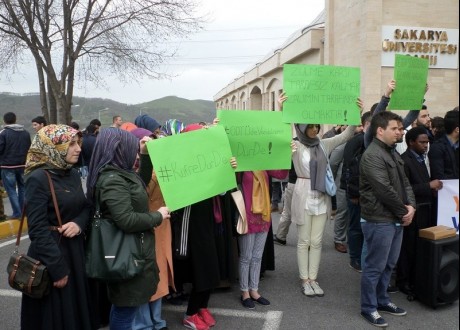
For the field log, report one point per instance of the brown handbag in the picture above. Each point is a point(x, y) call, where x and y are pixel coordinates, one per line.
point(26, 274)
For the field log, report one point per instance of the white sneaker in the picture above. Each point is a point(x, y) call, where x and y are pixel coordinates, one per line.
point(307, 290)
point(318, 291)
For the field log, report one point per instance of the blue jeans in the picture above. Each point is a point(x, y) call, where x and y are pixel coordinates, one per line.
point(13, 178)
point(383, 245)
point(355, 234)
point(148, 316)
point(121, 318)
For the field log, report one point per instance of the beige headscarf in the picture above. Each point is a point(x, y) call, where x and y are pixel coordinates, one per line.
point(49, 147)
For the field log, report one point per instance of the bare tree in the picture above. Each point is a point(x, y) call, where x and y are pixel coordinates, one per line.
point(90, 40)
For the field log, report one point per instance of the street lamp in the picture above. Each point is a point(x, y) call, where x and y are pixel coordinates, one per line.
point(99, 113)
point(140, 110)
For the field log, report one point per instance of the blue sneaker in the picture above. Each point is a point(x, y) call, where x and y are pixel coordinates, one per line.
point(375, 319)
point(392, 309)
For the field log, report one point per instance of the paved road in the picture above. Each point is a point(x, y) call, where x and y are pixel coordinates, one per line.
point(290, 310)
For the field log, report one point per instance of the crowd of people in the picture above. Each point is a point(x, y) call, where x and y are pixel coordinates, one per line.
point(388, 171)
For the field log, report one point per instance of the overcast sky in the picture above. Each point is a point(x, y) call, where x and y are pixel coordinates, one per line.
point(239, 34)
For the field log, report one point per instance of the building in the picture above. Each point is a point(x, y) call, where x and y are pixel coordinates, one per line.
point(365, 34)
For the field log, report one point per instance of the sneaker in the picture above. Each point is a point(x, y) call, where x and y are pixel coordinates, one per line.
point(375, 319)
point(355, 265)
point(392, 309)
point(392, 289)
point(308, 290)
point(206, 316)
point(278, 240)
point(194, 322)
point(316, 288)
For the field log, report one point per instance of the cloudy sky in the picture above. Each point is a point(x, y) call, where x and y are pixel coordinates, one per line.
point(238, 35)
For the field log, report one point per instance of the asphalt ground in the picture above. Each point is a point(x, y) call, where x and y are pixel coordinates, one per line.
point(289, 309)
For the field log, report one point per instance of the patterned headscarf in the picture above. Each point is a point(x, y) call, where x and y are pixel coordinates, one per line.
point(172, 127)
point(114, 147)
point(49, 147)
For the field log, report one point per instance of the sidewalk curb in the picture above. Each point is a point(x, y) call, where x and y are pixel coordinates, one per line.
point(9, 228)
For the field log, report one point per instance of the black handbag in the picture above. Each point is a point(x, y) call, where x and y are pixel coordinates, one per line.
point(26, 274)
point(111, 254)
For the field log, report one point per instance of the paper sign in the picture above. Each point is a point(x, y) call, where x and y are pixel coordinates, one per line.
point(321, 94)
point(448, 204)
point(259, 139)
point(192, 166)
point(411, 74)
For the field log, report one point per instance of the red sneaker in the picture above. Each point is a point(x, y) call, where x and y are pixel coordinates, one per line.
point(194, 322)
point(206, 316)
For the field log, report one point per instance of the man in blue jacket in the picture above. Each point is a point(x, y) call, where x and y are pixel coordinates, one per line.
point(14, 145)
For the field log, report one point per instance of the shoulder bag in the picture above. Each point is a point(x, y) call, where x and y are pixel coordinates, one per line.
point(26, 274)
point(111, 254)
point(242, 223)
point(331, 188)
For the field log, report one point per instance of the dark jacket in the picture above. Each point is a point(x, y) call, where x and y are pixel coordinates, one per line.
point(352, 153)
point(89, 140)
point(14, 145)
point(418, 176)
point(443, 160)
point(123, 198)
point(71, 307)
point(383, 186)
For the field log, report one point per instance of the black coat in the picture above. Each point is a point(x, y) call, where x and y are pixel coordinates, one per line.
point(69, 307)
point(201, 268)
point(418, 176)
point(443, 160)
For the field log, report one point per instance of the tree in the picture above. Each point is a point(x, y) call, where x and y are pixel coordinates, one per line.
point(90, 40)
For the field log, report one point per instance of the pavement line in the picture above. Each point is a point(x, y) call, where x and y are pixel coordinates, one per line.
point(13, 241)
point(272, 318)
point(10, 293)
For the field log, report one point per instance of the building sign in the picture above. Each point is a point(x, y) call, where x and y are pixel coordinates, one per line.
point(438, 45)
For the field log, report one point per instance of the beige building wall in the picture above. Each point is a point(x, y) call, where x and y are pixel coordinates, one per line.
point(351, 37)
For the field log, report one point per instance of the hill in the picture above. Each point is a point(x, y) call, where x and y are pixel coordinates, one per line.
point(27, 106)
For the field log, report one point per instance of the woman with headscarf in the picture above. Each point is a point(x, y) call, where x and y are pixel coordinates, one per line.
point(122, 197)
point(255, 190)
point(55, 149)
point(311, 206)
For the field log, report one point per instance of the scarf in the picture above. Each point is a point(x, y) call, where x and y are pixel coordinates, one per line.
point(49, 148)
point(260, 195)
point(147, 122)
point(114, 147)
point(172, 127)
point(318, 160)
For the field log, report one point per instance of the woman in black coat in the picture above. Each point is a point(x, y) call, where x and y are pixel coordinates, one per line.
point(55, 149)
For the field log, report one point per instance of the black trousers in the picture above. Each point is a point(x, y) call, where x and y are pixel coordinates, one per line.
point(197, 301)
point(405, 272)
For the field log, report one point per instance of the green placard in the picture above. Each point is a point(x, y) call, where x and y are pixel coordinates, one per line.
point(259, 139)
point(192, 166)
point(411, 74)
point(321, 94)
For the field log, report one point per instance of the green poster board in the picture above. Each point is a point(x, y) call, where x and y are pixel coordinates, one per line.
point(192, 166)
point(259, 139)
point(411, 74)
point(321, 94)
